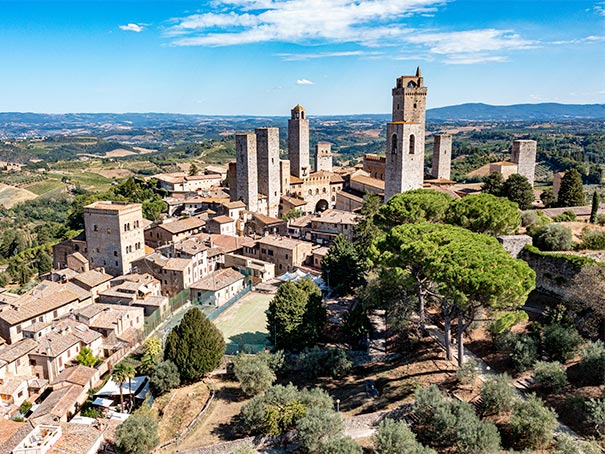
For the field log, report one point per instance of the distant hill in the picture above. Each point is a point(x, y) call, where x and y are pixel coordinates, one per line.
point(518, 112)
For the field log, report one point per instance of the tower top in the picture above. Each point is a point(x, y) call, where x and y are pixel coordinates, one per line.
point(297, 112)
point(418, 73)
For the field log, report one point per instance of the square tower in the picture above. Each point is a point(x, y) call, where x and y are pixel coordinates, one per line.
point(323, 156)
point(524, 155)
point(298, 142)
point(267, 149)
point(247, 176)
point(284, 176)
point(442, 156)
point(114, 235)
point(404, 166)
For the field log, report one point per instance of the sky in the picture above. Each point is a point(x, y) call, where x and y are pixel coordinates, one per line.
point(261, 57)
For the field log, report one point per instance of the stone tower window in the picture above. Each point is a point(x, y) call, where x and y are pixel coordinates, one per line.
point(412, 144)
point(394, 144)
point(411, 84)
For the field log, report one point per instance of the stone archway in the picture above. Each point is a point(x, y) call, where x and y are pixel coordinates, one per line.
point(322, 205)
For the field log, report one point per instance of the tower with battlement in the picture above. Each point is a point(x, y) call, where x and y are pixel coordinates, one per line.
point(442, 156)
point(246, 165)
point(323, 156)
point(405, 136)
point(267, 149)
point(524, 155)
point(298, 142)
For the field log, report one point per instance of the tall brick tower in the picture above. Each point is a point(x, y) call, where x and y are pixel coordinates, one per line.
point(267, 148)
point(442, 156)
point(247, 176)
point(298, 142)
point(323, 156)
point(524, 155)
point(405, 137)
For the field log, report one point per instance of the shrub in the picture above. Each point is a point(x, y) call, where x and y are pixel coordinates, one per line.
point(552, 237)
point(601, 219)
point(566, 216)
point(498, 395)
point(137, 435)
point(319, 362)
point(532, 423)
point(280, 407)
point(317, 428)
point(593, 240)
point(445, 422)
point(467, 373)
point(503, 322)
point(25, 407)
point(566, 444)
point(341, 445)
point(253, 373)
point(595, 411)
point(529, 217)
point(561, 342)
point(524, 352)
point(592, 364)
point(551, 377)
point(395, 437)
point(165, 376)
point(245, 449)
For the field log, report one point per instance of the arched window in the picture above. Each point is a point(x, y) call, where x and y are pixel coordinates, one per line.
point(394, 144)
point(411, 84)
point(412, 144)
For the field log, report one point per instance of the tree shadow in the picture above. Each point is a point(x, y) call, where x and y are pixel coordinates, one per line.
point(249, 341)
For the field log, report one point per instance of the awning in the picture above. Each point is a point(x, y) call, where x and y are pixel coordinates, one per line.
point(111, 388)
point(100, 402)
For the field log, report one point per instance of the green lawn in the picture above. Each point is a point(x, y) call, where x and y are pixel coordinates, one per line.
point(244, 325)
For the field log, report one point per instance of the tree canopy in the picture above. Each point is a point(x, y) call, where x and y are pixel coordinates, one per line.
point(518, 189)
point(342, 267)
point(419, 205)
point(571, 192)
point(485, 213)
point(137, 435)
point(195, 346)
point(296, 315)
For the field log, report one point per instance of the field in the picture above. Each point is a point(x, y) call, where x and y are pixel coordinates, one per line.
point(244, 324)
point(10, 195)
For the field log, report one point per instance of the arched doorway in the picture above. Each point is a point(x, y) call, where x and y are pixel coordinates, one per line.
point(322, 205)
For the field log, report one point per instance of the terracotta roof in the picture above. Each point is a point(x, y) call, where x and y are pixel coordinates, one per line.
point(58, 403)
point(267, 219)
point(231, 243)
point(92, 278)
point(10, 353)
point(177, 264)
point(218, 280)
point(348, 195)
point(222, 219)
point(337, 217)
point(54, 343)
point(105, 315)
point(502, 163)
point(369, 181)
point(77, 329)
point(335, 178)
point(76, 375)
point(10, 386)
point(191, 246)
point(78, 256)
point(43, 298)
point(295, 180)
point(183, 225)
point(280, 241)
point(12, 433)
point(76, 439)
point(112, 206)
point(294, 200)
point(302, 221)
point(235, 204)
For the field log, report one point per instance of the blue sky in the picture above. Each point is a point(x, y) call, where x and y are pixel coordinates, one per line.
point(261, 57)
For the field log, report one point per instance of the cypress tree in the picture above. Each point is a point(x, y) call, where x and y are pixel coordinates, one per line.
point(195, 346)
point(594, 211)
point(571, 193)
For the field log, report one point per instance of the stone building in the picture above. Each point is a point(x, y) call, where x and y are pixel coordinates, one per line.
point(323, 157)
point(246, 170)
point(267, 149)
point(524, 155)
point(286, 253)
point(442, 156)
point(298, 142)
point(114, 235)
point(405, 136)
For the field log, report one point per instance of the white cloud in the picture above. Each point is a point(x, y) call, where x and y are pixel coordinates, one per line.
point(600, 8)
point(301, 57)
point(471, 41)
point(472, 59)
point(298, 21)
point(304, 82)
point(132, 28)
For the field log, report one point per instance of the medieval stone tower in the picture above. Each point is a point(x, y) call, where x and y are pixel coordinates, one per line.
point(442, 156)
point(524, 155)
point(298, 142)
point(246, 164)
point(405, 136)
point(323, 156)
point(267, 149)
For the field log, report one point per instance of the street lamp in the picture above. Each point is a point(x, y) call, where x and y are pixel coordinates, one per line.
point(337, 405)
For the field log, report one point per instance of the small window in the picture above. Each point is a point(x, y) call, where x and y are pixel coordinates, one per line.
point(115, 253)
point(95, 228)
point(394, 144)
point(412, 144)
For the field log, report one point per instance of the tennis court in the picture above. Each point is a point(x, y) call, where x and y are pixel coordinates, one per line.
point(244, 325)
